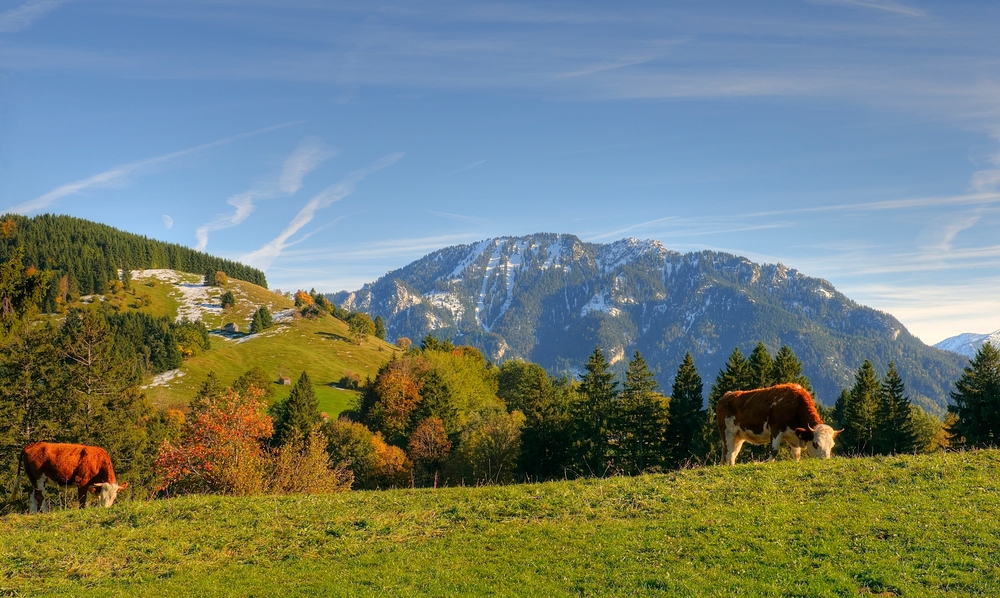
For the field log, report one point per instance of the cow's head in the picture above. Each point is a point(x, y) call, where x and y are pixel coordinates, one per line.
point(107, 492)
point(819, 440)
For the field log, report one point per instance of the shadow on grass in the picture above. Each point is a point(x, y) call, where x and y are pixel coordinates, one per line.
point(334, 336)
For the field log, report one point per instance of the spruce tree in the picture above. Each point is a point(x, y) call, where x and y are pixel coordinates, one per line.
point(977, 400)
point(686, 416)
point(760, 367)
point(261, 320)
point(266, 320)
point(860, 412)
point(210, 277)
point(735, 376)
point(642, 420)
point(299, 414)
point(593, 416)
point(379, 327)
point(897, 432)
point(210, 389)
point(227, 300)
point(788, 369)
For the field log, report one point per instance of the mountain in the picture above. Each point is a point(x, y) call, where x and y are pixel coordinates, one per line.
point(550, 298)
point(968, 343)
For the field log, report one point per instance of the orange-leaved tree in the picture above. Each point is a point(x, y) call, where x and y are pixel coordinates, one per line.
point(221, 448)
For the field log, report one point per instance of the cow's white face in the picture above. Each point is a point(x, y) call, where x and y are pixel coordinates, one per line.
point(107, 492)
point(821, 445)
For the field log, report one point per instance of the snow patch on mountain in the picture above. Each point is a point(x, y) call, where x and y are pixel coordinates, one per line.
point(599, 302)
point(449, 302)
point(969, 343)
point(626, 251)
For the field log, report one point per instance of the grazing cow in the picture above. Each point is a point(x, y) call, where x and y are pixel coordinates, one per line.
point(86, 467)
point(770, 415)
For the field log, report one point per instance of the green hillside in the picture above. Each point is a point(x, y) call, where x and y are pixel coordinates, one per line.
point(322, 347)
point(907, 526)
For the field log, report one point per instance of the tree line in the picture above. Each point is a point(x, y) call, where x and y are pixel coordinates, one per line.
point(81, 257)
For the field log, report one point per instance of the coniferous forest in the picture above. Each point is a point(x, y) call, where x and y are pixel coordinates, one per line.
point(84, 256)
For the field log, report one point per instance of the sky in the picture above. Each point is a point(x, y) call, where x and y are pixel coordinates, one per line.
point(331, 142)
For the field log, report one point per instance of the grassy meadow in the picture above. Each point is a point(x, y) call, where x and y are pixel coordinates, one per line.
point(902, 526)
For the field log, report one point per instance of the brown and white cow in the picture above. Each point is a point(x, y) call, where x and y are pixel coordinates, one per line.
point(785, 412)
point(86, 467)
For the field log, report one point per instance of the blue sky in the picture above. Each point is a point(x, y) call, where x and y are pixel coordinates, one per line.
point(854, 140)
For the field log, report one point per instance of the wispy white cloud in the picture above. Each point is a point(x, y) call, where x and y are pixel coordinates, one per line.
point(309, 154)
point(883, 5)
point(306, 157)
point(606, 65)
point(20, 18)
point(458, 217)
point(120, 175)
point(168, 222)
point(469, 167)
point(265, 256)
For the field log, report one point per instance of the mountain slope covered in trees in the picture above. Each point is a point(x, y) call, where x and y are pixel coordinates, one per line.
point(550, 298)
point(84, 256)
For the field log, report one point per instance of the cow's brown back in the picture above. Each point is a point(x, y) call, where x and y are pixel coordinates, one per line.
point(781, 407)
point(66, 464)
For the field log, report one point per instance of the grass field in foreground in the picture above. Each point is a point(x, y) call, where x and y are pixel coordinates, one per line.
point(909, 526)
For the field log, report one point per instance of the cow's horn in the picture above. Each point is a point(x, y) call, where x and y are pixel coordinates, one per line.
point(811, 429)
point(835, 432)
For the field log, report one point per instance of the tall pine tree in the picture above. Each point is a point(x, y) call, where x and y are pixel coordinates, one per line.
point(897, 432)
point(298, 414)
point(977, 400)
point(642, 420)
point(734, 376)
point(686, 418)
point(760, 368)
point(788, 369)
point(859, 411)
point(594, 414)
point(379, 327)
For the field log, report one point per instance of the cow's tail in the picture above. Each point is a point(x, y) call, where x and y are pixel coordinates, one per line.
point(16, 492)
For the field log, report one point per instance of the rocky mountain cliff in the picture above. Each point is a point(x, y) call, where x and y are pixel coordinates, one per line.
point(550, 298)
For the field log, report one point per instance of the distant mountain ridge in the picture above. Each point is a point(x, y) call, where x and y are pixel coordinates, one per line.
point(967, 344)
point(550, 298)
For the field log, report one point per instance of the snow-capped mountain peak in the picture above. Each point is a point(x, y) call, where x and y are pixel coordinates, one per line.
point(968, 343)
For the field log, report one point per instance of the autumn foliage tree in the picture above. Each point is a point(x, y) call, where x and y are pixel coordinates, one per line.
point(221, 448)
point(302, 299)
point(398, 394)
point(429, 447)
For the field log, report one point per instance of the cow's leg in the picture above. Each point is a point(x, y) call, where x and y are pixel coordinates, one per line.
point(81, 494)
point(733, 441)
point(38, 495)
point(797, 452)
point(733, 446)
point(775, 447)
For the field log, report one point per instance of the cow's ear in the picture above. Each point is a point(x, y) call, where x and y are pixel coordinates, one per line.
point(123, 486)
point(803, 434)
